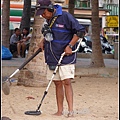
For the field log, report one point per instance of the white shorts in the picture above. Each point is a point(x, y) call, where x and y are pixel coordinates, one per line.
point(63, 72)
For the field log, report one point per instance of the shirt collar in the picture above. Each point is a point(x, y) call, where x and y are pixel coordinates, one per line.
point(58, 10)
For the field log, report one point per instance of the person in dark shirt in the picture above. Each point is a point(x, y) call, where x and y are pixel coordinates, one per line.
point(16, 44)
point(61, 32)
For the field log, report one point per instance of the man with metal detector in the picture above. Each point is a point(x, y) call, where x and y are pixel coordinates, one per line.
point(61, 33)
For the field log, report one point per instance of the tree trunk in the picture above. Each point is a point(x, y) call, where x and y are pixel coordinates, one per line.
point(25, 21)
point(5, 23)
point(71, 7)
point(34, 73)
point(97, 57)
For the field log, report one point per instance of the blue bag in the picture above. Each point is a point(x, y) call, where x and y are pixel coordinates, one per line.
point(6, 54)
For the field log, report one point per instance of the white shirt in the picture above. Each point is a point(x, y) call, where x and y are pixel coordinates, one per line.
point(28, 41)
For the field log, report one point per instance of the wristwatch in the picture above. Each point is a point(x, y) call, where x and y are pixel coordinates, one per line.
point(70, 45)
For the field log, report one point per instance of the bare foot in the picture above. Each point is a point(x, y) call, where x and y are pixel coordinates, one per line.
point(58, 113)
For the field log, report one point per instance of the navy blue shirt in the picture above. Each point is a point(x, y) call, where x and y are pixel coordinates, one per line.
point(63, 29)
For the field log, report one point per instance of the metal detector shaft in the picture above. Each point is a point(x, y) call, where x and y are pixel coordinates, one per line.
point(59, 62)
point(28, 60)
point(39, 50)
point(46, 91)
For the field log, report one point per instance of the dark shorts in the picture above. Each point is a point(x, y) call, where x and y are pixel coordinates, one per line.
point(13, 48)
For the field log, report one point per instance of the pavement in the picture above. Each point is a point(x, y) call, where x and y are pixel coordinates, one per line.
point(82, 67)
point(110, 70)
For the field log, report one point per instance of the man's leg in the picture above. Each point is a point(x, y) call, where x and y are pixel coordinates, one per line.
point(18, 48)
point(23, 48)
point(68, 94)
point(59, 97)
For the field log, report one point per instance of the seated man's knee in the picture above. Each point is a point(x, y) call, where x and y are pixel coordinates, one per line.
point(18, 44)
point(23, 44)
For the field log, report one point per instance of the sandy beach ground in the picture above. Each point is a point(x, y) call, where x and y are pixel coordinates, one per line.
point(95, 98)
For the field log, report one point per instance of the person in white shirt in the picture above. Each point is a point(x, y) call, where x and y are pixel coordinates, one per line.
point(26, 37)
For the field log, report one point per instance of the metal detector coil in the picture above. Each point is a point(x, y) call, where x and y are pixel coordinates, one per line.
point(6, 81)
point(37, 112)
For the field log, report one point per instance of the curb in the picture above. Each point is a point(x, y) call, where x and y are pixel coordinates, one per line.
point(92, 72)
point(105, 72)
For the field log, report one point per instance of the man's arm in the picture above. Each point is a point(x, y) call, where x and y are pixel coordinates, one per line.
point(13, 39)
point(68, 49)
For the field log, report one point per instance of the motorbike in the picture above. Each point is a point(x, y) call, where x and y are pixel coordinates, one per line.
point(86, 45)
point(107, 48)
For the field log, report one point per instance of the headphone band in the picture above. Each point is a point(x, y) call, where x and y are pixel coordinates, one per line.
point(44, 7)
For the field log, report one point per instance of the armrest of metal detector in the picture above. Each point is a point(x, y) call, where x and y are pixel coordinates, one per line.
point(80, 40)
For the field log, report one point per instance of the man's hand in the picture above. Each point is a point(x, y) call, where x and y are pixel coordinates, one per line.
point(23, 40)
point(68, 51)
point(20, 41)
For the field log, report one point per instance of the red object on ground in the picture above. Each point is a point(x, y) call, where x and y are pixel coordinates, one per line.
point(30, 97)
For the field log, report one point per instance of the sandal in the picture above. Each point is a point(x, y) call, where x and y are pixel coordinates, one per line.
point(70, 114)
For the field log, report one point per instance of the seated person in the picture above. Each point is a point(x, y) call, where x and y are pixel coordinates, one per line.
point(15, 43)
point(26, 37)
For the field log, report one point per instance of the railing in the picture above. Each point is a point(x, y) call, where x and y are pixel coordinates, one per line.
point(82, 3)
point(113, 7)
point(59, 1)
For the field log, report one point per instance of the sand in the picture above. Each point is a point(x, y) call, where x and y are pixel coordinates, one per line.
point(95, 98)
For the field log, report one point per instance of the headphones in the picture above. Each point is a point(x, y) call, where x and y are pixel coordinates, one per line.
point(50, 8)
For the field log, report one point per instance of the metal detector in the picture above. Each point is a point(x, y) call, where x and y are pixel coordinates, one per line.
point(6, 81)
point(38, 112)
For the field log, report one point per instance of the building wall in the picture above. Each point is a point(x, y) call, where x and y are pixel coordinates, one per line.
point(115, 1)
point(109, 1)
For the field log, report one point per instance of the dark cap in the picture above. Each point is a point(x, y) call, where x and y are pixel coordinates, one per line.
point(42, 3)
point(40, 11)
